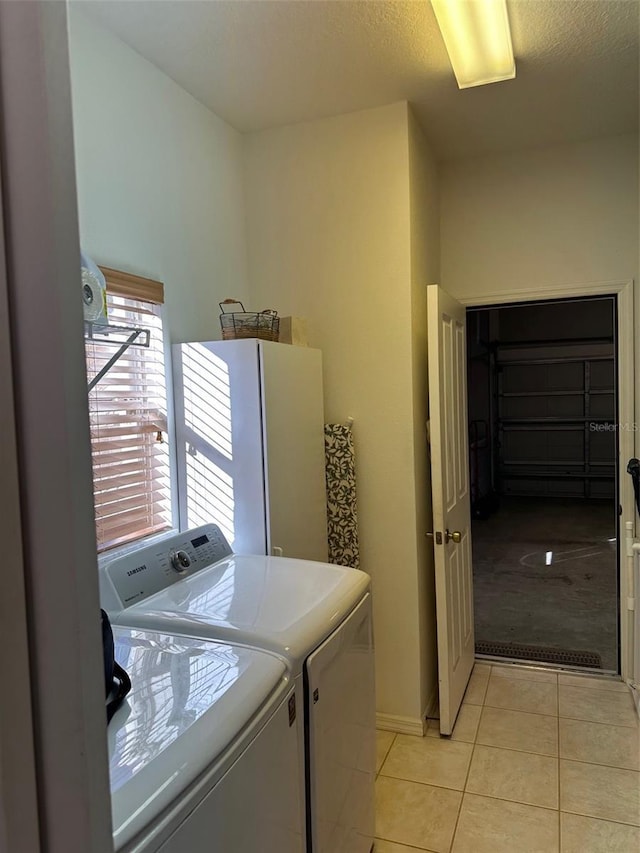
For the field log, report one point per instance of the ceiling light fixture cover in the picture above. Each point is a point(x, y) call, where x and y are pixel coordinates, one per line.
point(478, 40)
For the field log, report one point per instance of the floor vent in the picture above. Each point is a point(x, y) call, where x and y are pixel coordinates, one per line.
point(540, 653)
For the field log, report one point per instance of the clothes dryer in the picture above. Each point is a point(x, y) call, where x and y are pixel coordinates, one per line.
point(316, 615)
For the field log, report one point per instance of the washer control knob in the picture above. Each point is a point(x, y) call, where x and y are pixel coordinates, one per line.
point(180, 560)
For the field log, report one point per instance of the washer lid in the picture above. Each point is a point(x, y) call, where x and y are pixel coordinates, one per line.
point(278, 603)
point(190, 704)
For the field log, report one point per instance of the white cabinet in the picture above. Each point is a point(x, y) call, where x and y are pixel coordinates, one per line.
point(250, 436)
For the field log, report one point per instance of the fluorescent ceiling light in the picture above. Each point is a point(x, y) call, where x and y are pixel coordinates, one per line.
point(478, 40)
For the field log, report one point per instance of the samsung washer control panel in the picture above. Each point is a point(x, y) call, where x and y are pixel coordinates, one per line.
point(140, 573)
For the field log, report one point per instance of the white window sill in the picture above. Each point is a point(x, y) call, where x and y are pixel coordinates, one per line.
point(121, 550)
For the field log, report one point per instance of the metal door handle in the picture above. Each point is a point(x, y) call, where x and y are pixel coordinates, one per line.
point(456, 536)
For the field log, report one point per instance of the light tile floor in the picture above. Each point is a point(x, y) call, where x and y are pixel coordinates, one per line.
point(538, 763)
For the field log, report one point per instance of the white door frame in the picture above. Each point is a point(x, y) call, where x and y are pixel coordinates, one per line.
point(624, 292)
point(59, 588)
point(18, 788)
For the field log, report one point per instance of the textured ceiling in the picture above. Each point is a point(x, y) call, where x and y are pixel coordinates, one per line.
point(264, 63)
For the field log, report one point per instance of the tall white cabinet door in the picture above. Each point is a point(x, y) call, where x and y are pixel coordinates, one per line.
point(341, 721)
point(219, 440)
point(294, 450)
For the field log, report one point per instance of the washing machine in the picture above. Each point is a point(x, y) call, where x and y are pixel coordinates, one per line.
point(316, 615)
point(203, 753)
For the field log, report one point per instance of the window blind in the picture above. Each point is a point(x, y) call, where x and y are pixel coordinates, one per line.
point(133, 286)
point(128, 417)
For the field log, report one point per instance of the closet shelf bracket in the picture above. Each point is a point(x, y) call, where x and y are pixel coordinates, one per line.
point(121, 336)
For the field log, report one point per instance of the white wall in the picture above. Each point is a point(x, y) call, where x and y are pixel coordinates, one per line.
point(160, 183)
point(159, 180)
point(328, 218)
point(561, 215)
point(425, 269)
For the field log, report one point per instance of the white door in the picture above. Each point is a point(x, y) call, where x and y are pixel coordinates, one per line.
point(293, 424)
point(451, 500)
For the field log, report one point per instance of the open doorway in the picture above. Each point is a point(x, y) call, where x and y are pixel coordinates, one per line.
point(544, 496)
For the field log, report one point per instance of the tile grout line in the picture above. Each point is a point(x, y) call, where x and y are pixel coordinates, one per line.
point(598, 764)
point(604, 819)
point(594, 764)
point(512, 678)
point(516, 802)
point(522, 751)
point(561, 716)
point(520, 803)
point(473, 749)
point(386, 755)
point(594, 689)
point(520, 711)
point(600, 722)
point(408, 846)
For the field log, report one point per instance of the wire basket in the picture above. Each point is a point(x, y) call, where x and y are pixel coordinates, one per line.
point(248, 324)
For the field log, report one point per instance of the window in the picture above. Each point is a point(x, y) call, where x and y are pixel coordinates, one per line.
point(128, 416)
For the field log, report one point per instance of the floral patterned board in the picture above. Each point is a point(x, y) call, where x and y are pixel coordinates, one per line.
point(342, 511)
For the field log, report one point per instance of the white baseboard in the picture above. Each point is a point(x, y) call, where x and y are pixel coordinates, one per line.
point(409, 725)
point(401, 725)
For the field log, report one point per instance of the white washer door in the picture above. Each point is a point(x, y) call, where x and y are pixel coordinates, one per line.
point(341, 728)
point(255, 806)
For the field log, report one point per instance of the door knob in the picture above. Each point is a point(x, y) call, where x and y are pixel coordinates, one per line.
point(456, 536)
